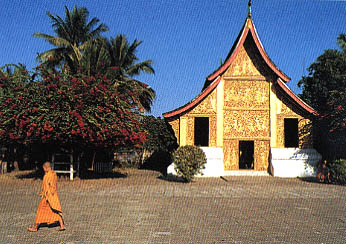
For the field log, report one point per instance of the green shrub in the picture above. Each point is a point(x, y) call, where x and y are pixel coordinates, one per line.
point(338, 171)
point(189, 161)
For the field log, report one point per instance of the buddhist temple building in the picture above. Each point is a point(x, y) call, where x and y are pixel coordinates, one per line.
point(245, 109)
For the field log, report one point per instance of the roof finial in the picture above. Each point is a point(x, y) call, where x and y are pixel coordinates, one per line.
point(249, 11)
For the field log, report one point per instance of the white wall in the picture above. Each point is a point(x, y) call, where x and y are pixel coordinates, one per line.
point(294, 162)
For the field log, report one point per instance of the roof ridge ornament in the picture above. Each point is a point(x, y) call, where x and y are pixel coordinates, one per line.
point(249, 9)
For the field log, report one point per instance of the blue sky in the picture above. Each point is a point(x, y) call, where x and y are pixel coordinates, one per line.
point(186, 39)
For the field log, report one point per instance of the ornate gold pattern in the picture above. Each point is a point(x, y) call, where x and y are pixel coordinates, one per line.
point(261, 155)
point(175, 126)
point(212, 131)
point(207, 106)
point(190, 130)
point(246, 124)
point(246, 94)
point(242, 65)
point(286, 110)
point(230, 154)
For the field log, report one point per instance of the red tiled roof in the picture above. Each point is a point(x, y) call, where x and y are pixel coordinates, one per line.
point(295, 98)
point(235, 49)
point(195, 101)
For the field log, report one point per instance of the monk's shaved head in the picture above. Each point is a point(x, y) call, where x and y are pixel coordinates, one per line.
point(46, 166)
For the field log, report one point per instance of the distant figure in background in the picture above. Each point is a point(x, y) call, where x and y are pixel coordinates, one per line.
point(49, 209)
point(323, 174)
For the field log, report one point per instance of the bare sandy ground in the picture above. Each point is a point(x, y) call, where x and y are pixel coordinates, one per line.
point(142, 208)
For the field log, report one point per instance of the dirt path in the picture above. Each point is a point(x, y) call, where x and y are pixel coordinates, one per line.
point(142, 208)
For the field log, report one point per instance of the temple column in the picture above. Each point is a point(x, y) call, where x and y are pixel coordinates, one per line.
point(219, 114)
point(273, 111)
point(183, 131)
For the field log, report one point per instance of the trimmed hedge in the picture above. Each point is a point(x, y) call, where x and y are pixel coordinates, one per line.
point(189, 161)
point(338, 171)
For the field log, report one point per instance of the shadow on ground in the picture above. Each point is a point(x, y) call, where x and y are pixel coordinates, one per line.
point(49, 226)
point(88, 175)
point(91, 175)
point(34, 174)
point(171, 178)
point(315, 180)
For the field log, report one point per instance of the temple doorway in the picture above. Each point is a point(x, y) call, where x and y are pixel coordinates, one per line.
point(291, 132)
point(246, 154)
point(201, 134)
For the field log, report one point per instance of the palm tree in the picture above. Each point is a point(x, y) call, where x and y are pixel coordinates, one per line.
point(10, 70)
point(72, 35)
point(122, 57)
point(122, 60)
point(117, 58)
point(342, 42)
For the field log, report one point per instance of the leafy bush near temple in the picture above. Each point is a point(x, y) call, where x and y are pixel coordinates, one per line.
point(160, 135)
point(159, 144)
point(338, 171)
point(189, 161)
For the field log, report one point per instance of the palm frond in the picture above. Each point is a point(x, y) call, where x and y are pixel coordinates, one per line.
point(56, 41)
point(53, 56)
point(97, 32)
point(342, 42)
point(136, 69)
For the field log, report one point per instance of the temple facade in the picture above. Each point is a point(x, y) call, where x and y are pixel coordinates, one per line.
point(245, 108)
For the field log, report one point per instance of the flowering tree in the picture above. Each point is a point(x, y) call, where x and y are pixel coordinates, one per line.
point(325, 90)
point(333, 121)
point(73, 112)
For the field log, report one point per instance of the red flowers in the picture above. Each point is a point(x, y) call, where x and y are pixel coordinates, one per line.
point(84, 110)
point(48, 127)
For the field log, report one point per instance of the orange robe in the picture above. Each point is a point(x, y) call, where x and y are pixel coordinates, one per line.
point(49, 209)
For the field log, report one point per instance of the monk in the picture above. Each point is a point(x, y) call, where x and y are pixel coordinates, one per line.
point(49, 209)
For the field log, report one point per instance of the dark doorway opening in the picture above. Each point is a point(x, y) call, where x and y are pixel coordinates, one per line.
point(246, 154)
point(291, 132)
point(202, 131)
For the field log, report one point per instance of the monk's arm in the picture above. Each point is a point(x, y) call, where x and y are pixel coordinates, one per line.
point(51, 181)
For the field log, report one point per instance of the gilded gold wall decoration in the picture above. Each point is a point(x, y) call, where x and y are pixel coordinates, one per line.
point(280, 133)
point(212, 131)
point(287, 110)
point(231, 154)
point(246, 94)
point(190, 131)
point(248, 61)
point(305, 133)
point(175, 126)
point(242, 65)
point(207, 105)
point(262, 155)
point(244, 123)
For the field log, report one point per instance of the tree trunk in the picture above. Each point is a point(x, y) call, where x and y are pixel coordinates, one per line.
point(93, 161)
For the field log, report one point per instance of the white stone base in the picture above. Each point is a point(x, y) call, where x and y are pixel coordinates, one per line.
point(294, 162)
point(285, 162)
point(245, 173)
